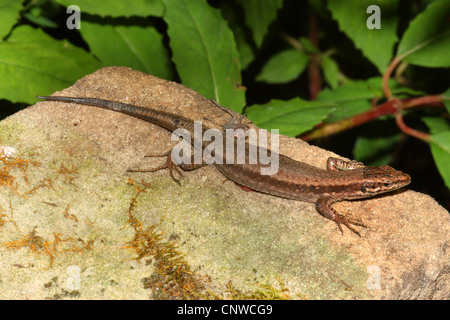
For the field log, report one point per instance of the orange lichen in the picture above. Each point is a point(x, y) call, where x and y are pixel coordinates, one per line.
point(266, 292)
point(69, 215)
point(72, 150)
point(132, 221)
point(69, 173)
point(173, 277)
point(45, 183)
point(49, 248)
point(11, 163)
point(4, 218)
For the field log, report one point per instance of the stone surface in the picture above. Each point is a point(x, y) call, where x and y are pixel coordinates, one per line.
point(73, 224)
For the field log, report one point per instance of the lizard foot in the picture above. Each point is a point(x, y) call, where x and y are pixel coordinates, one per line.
point(167, 165)
point(348, 222)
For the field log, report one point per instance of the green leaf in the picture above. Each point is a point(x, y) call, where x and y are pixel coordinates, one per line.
point(291, 117)
point(440, 149)
point(283, 67)
point(40, 20)
point(440, 144)
point(204, 51)
point(259, 15)
point(9, 15)
point(351, 98)
point(114, 8)
point(320, 7)
point(356, 97)
point(246, 50)
point(33, 63)
point(446, 99)
point(376, 44)
point(330, 71)
point(244, 43)
point(375, 151)
point(436, 124)
point(403, 92)
point(309, 46)
point(128, 43)
point(426, 42)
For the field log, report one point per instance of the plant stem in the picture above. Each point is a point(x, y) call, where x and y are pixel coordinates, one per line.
point(410, 131)
point(387, 75)
point(393, 106)
point(435, 100)
point(315, 78)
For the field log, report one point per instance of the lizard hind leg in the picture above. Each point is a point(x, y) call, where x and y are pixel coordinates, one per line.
point(172, 166)
point(169, 164)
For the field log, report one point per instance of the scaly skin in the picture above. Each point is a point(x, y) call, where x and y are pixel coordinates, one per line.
point(296, 180)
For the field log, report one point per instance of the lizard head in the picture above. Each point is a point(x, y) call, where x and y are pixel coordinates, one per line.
point(383, 179)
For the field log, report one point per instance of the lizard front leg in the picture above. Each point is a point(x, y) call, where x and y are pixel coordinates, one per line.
point(323, 206)
point(335, 164)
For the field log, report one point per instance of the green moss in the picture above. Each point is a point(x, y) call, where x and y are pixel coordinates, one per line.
point(11, 132)
point(213, 243)
point(173, 277)
point(254, 245)
point(263, 292)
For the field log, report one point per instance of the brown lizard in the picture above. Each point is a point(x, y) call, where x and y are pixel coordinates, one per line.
point(343, 180)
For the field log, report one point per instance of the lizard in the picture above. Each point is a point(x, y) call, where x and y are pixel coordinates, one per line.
point(296, 180)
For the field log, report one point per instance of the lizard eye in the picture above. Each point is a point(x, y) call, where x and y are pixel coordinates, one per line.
point(363, 189)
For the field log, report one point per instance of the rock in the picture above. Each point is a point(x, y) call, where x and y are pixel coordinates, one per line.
point(75, 224)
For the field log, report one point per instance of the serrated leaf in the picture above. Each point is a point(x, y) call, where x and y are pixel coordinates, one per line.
point(330, 72)
point(204, 51)
point(33, 63)
point(114, 8)
point(137, 46)
point(376, 44)
point(283, 67)
point(9, 15)
point(259, 15)
point(292, 117)
point(426, 42)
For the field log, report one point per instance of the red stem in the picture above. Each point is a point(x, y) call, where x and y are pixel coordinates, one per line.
point(410, 131)
point(435, 100)
point(314, 76)
point(387, 75)
point(389, 107)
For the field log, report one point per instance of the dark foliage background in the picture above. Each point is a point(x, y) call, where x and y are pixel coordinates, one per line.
point(312, 69)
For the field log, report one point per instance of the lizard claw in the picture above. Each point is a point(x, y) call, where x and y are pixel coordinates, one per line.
point(348, 222)
point(323, 206)
point(167, 165)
